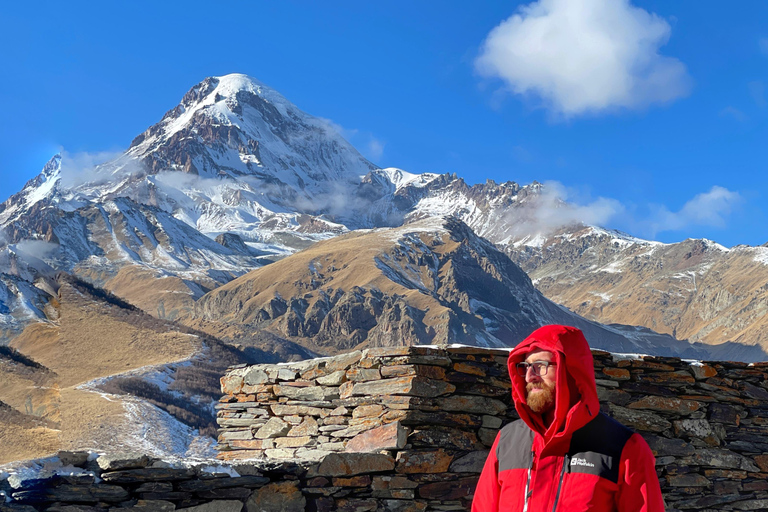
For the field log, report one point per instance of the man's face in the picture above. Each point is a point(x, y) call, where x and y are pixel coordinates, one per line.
point(540, 389)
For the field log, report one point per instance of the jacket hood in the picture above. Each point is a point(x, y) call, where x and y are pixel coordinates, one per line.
point(576, 401)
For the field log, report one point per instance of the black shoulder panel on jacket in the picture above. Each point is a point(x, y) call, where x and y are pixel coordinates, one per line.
point(596, 447)
point(515, 445)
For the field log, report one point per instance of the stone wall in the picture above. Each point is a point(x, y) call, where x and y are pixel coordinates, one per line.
point(436, 412)
point(408, 429)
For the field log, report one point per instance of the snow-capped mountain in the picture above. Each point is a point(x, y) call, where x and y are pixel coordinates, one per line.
point(236, 176)
point(233, 176)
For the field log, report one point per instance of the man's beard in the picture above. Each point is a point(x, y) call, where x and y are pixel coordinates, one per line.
point(542, 401)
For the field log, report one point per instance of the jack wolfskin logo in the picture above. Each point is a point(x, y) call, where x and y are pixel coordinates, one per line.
point(581, 462)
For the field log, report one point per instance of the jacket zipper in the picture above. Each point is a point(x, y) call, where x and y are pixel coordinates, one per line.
point(560, 485)
point(528, 482)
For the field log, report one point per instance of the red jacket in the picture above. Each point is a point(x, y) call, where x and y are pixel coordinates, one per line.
point(584, 461)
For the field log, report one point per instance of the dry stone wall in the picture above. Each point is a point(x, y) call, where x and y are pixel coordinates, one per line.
point(436, 411)
point(408, 429)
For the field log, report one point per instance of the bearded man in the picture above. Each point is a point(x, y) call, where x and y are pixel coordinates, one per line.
point(563, 454)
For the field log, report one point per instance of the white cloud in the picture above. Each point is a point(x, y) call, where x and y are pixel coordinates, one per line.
point(734, 113)
point(763, 44)
point(86, 167)
point(557, 206)
point(707, 209)
point(584, 56)
point(375, 149)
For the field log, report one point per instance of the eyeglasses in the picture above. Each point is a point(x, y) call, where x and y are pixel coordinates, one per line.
point(539, 367)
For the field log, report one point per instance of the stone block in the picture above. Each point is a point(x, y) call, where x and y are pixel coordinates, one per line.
point(280, 453)
point(393, 436)
point(308, 427)
point(413, 386)
point(640, 420)
point(294, 442)
point(252, 444)
point(231, 384)
point(616, 373)
point(277, 496)
point(132, 476)
point(472, 404)
point(408, 505)
point(363, 374)
point(472, 462)
point(470, 368)
point(404, 370)
point(125, 460)
point(368, 411)
point(354, 481)
point(300, 410)
point(723, 413)
point(350, 464)
point(312, 393)
point(672, 379)
point(487, 436)
point(274, 427)
point(383, 482)
point(703, 371)
point(762, 462)
point(449, 490)
point(721, 458)
point(255, 376)
point(688, 480)
point(664, 404)
point(493, 422)
point(423, 461)
point(333, 379)
point(448, 438)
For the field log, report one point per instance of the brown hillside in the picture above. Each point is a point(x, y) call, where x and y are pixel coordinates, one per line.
point(693, 290)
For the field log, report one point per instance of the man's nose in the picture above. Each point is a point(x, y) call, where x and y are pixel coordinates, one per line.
point(530, 375)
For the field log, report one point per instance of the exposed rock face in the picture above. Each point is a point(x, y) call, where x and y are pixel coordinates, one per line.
point(433, 281)
point(695, 289)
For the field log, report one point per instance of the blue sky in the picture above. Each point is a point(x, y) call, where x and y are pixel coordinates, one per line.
point(650, 116)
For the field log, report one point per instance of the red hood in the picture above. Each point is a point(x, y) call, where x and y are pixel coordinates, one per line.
point(575, 368)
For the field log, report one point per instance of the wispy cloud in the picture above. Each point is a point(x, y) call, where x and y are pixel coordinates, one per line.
point(588, 56)
point(734, 113)
point(86, 167)
point(374, 149)
point(710, 209)
point(558, 206)
point(757, 92)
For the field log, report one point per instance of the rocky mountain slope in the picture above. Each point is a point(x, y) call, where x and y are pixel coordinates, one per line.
point(695, 289)
point(236, 176)
point(430, 281)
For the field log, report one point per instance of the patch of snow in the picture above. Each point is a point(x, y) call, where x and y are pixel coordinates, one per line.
point(612, 268)
point(761, 255)
point(606, 297)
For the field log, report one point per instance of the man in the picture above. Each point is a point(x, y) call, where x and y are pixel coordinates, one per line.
point(563, 454)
